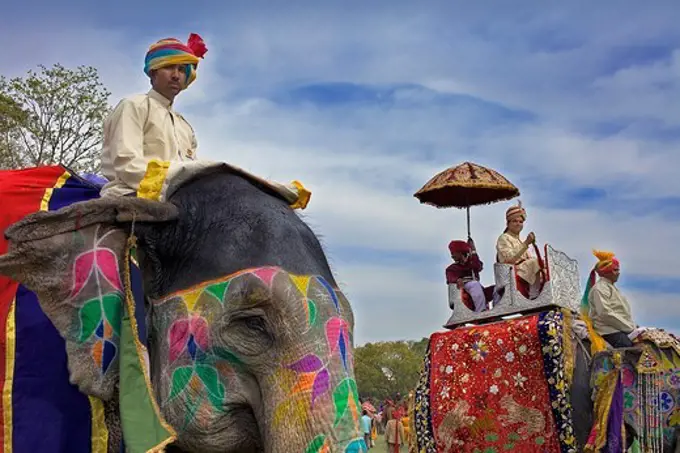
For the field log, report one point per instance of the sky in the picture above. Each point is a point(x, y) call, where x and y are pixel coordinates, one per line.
point(575, 102)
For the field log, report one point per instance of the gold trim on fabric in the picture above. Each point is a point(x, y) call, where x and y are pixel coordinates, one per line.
point(100, 434)
point(10, 352)
point(141, 350)
point(568, 346)
point(603, 404)
point(151, 185)
point(45, 203)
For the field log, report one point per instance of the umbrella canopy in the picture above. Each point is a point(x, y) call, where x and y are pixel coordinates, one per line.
point(466, 185)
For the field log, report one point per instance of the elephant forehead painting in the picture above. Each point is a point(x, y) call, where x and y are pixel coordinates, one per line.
point(313, 382)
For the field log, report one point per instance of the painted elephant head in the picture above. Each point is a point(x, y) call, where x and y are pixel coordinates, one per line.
point(250, 339)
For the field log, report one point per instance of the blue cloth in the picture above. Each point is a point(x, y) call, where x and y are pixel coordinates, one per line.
point(366, 424)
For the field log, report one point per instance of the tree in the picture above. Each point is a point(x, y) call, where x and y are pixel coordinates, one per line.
point(11, 115)
point(53, 116)
point(386, 368)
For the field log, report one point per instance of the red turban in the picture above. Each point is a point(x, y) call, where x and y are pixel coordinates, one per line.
point(459, 247)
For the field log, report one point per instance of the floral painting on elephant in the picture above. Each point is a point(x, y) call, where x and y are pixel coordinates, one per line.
point(315, 381)
point(500, 387)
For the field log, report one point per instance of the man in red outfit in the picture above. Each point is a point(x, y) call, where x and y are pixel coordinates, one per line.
point(464, 272)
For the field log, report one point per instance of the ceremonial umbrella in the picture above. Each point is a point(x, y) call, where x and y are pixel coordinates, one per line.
point(466, 185)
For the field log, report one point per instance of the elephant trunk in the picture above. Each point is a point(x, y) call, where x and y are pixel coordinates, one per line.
point(311, 412)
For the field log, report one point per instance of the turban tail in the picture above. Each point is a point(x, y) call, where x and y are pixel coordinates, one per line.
point(171, 51)
point(514, 212)
point(605, 264)
point(459, 247)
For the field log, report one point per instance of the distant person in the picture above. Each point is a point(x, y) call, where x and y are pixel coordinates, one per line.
point(394, 433)
point(366, 422)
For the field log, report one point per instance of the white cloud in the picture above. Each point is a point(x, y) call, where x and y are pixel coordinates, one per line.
point(566, 66)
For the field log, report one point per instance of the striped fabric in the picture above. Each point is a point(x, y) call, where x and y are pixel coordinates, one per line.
point(41, 411)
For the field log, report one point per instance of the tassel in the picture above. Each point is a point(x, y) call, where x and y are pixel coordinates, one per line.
point(197, 45)
point(597, 343)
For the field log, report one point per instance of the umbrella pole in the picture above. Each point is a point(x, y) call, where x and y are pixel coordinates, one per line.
point(468, 221)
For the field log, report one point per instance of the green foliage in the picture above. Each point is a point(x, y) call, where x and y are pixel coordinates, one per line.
point(53, 116)
point(385, 368)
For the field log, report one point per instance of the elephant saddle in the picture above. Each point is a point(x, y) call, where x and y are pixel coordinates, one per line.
point(496, 387)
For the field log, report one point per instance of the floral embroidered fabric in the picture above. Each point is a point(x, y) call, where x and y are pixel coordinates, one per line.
point(494, 388)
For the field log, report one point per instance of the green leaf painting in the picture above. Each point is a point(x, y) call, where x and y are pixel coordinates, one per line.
point(344, 396)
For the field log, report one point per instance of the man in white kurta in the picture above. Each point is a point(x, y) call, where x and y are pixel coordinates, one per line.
point(510, 249)
point(142, 128)
point(147, 127)
point(610, 311)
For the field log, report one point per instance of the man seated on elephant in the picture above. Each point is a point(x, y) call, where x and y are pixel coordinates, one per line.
point(609, 310)
point(464, 271)
point(146, 127)
point(510, 249)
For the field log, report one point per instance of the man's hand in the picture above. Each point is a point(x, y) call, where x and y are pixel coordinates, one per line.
point(531, 239)
point(471, 243)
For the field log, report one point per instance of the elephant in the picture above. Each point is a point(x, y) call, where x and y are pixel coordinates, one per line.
point(249, 338)
point(457, 424)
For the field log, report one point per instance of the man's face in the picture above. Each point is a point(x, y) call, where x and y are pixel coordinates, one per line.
point(614, 274)
point(516, 225)
point(169, 80)
point(459, 257)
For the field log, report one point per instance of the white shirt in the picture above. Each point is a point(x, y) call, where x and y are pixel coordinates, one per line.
point(139, 129)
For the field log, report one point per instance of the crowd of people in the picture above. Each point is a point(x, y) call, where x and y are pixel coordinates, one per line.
point(388, 418)
point(607, 311)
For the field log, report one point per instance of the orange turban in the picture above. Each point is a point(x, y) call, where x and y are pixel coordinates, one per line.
point(514, 212)
point(606, 262)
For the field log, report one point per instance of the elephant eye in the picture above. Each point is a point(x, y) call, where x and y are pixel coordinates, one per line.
point(255, 323)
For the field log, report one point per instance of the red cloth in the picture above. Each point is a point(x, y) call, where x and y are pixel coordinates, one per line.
point(489, 391)
point(472, 267)
point(21, 193)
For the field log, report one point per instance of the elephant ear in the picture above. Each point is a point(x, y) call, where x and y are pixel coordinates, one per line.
point(73, 260)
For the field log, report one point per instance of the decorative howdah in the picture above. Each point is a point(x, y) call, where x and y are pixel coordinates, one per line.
point(562, 290)
point(498, 387)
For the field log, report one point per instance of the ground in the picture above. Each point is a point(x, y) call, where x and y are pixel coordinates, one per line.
point(381, 446)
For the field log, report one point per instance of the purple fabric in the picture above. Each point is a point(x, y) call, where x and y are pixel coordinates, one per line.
point(614, 424)
point(95, 179)
point(48, 413)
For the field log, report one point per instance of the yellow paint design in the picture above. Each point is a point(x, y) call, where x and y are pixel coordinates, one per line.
point(294, 410)
point(10, 343)
point(191, 298)
point(100, 434)
point(45, 203)
point(301, 283)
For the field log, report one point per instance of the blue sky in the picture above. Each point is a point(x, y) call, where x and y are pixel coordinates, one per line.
point(576, 103)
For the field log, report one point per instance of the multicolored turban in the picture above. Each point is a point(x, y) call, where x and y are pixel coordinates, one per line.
point(514, 212)
point(459, 247)
point(171, 51)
